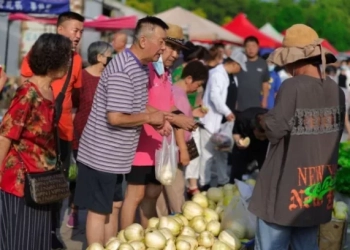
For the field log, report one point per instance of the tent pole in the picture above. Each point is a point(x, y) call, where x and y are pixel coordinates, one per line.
point(7, 43)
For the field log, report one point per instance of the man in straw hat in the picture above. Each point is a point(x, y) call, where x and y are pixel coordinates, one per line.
point(294, 191)
point(143, 189)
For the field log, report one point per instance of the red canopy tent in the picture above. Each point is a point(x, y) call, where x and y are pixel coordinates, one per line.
point(99, 23)
point(242, 27)
point(325, 44)
point(115, 23)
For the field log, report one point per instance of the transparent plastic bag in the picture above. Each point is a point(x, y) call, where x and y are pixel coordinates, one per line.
point(223, 139)
point(237, 217)
point(166, 161)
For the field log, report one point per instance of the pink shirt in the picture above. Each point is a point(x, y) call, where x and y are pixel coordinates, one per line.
point(160, 97)
point(182, 104)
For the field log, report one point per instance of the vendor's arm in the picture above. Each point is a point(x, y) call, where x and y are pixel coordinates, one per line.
point(277, 122)
point(238, 134)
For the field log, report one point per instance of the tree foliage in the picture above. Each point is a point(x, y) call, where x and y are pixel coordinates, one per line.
point(331, 19)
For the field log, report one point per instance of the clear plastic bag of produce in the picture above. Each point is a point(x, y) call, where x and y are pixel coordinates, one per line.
point(238, 218)
point(223, 139)
point(166, 160)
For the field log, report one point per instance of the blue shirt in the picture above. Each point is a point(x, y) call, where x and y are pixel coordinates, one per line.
point(275, 84)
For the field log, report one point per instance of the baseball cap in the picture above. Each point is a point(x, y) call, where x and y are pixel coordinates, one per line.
point(239, 58)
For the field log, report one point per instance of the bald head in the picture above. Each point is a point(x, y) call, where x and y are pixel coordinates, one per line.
point(119, 41)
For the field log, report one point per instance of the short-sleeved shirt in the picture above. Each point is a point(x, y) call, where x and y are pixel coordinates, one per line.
point(159, 97)
point(182, 104)
point(66, 121)
point(86, 97)
point(295, 186)
point(122, 88)
point(29, 124)
point(250, 84)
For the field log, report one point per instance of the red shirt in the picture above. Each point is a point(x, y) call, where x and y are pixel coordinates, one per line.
point(29, 124)
point(66, 121)
point(86, 98)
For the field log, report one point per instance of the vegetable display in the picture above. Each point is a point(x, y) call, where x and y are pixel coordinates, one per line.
point(198, 227)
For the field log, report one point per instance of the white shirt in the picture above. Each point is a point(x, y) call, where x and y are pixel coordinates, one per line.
point(215, 98)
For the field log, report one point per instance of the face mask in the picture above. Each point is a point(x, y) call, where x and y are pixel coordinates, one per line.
point(271, 67)
point(108, 59)
point(159, 66)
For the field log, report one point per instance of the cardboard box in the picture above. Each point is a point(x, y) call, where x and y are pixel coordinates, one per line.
point(332, 236)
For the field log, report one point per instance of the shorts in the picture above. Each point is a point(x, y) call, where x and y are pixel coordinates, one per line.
point(96, 190)
point(142, 175)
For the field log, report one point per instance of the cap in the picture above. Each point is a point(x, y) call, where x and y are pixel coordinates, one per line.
point(239, 58)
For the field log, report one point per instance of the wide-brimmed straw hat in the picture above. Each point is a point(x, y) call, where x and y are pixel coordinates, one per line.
point(175, 35)
point(301, 42)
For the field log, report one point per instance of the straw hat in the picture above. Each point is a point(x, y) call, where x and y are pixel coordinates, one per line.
point(300, 42)
point(175, 35)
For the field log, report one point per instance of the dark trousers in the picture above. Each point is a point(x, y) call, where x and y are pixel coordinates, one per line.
point(241, 158)
point(65, 158)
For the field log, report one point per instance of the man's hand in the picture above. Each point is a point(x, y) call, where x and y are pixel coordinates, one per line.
point(230, 117)
point(184, 157)
point(157, 119)
point(3, 79)
point(181, 121)
point(166, 129)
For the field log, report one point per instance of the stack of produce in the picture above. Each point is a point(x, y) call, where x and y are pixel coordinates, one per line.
point(198, 227)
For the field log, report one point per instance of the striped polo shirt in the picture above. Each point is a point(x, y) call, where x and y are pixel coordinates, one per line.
point(122, 88)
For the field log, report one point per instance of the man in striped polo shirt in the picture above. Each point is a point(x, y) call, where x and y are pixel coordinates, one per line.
point(108, 143)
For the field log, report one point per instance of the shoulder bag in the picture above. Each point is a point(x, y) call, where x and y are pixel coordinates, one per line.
point(50, 186)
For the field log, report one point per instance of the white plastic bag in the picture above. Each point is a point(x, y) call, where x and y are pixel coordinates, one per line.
point(223, 139)
point(166, 161)
point(236, 215)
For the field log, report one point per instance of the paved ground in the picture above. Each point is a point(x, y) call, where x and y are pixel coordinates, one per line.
point(74, 238)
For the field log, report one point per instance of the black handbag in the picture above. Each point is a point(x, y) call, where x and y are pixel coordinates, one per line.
point(192, 149)
point(51, 186)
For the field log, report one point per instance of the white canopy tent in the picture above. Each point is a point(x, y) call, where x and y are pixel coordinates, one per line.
point(270, 31)
point(198, 28)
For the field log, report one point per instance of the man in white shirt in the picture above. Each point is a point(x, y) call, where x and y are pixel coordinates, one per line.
point(215, 99)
